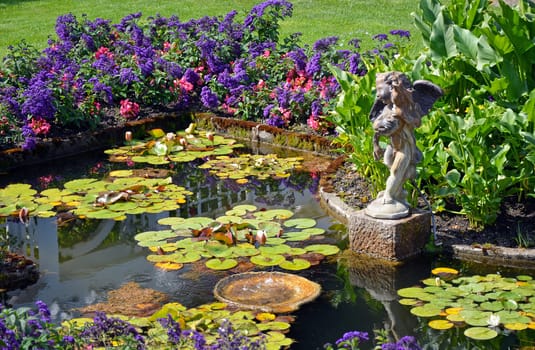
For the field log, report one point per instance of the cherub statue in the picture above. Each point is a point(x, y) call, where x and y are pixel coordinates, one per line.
point(397, 111)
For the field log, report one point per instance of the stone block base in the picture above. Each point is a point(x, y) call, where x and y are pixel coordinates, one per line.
point(389, 239)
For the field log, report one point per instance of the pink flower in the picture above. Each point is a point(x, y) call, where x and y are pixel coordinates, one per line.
point(129, 109)
point(39, 126)
point(103, 51)
point(267, 53)
point(183, 84)
point(313, 123)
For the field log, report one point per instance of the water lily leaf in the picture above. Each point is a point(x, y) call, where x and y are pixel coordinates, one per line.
point(480, 333)
point(457, 318)
point(295, 265)
point(265, 316)
point(169, 265)
point(274, 214)
point(274, 326)
point(45, 213)
point(408, 302)
point(296, 236)
point(277, 249)
point(524, 278)
point(121, 173)
point(440, 324)
point(245, 251)
point(426, 311)
point(476, 317)
point(156, 133)
point(221, 264)
point(228, 219)
point(267, 260)
point(154, 235)
point(412, 292)
point(103, 214)
point(300, 223)
point(156, 258)
point(516, 326)
point(492, 306)
point(314, 231)
point(297, 251)
point(186, 258)
point(444, 271)
point(123, 206)
point(325, 249)
point(512, 317)
point(240, 210)
point(172, 220)
point(218, 250)
point(79, 184)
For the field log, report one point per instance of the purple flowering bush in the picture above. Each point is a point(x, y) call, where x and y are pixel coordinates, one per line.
point(238, 69)
point(25, 328)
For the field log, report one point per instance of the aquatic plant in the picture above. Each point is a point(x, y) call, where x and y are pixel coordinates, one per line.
point(264, 237)
point(182, 146)
point(486, 305)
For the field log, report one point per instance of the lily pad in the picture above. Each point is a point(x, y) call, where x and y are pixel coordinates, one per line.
point(480, 333)
point(325, 249)
point(221, 264)
point(267, 260)
point(300, 223)
point(295, 264)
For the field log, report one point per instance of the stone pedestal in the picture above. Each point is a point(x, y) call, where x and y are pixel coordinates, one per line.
point(388, 239)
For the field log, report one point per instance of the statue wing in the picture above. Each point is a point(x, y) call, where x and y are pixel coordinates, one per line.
point(425, 94)
point(377, 109)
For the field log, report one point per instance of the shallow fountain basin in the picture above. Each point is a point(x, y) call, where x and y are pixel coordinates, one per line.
point(276, 292)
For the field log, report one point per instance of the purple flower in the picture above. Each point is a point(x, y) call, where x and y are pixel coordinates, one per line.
point(353, 336)
point(325, 43)
point(43, 311)
point(314, 65)
point(299, 57)
point(355, 43)
point(380, 37)
point(208, 98)
point(127, 76)
point(405, 343)
point(401, 33)
point(191, 76)
point(388, 46)
point(39, 100)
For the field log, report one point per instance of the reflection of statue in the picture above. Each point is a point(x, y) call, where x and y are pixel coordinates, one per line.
point(397, 111)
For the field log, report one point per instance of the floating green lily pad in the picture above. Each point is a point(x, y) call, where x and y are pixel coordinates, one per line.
point(295, 264)
point(480, 333)
point(221, 264)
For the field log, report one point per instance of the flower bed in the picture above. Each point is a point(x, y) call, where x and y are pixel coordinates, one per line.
point(95, 70)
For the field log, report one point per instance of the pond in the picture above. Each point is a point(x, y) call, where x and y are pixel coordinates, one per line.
point(82, 260)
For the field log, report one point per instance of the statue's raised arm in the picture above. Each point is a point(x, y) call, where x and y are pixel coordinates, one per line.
point(398, 109)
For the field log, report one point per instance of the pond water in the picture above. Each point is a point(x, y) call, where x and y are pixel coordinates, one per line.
point(81, 260)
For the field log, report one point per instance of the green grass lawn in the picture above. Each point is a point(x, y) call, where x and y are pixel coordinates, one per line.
point(34, 20)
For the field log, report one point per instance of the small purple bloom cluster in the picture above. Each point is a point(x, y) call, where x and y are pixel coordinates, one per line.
point(240, 69)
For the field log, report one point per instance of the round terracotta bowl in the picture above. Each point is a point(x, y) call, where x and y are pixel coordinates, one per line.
point(276, 292)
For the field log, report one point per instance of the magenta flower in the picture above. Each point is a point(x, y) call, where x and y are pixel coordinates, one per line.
point(39, 126)
point(129, 109)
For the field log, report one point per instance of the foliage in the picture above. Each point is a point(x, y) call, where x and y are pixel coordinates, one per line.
point(487, 305)
point(163, 148)
point(478, 159)
point(476, 46)
point(245, 233)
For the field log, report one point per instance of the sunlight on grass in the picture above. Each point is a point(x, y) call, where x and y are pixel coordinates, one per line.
point(346, 19)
